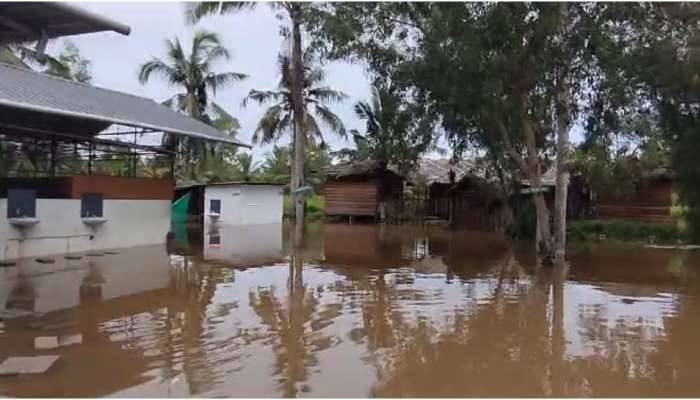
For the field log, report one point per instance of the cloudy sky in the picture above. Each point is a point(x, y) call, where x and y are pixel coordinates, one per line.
point(252, 37)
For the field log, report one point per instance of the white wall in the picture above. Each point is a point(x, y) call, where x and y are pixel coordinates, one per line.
point(246, 204)
point(60, 230)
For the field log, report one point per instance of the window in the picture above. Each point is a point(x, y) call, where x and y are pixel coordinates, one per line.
point(21, 203)
point(214, 239)
point(91, 205)
point(215, 206)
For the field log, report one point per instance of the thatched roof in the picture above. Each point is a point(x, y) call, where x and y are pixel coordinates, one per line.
point(356, 168)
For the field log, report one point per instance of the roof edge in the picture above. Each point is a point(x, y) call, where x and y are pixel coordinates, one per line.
point(96, 18)
point(47, 110)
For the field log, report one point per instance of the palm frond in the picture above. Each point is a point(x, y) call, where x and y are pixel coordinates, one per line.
point(195, 12)
point(222, 80)
point(265, 96)
point(325, 94)
point(224, 121)
point(204, 43)
point(332, 120)
point(267, 130)
point(158, 67)
point(312, 130)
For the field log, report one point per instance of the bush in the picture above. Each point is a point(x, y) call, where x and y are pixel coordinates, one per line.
point(624, 230)
point(314, 206)
point(525, 224)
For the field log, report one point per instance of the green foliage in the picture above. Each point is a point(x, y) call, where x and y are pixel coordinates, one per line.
point(246, 169)
point(393, 136)
point(619, 172)
point(625, 230)
point(276, 167)
point(315, 205)
point(192, 72)
point(524, 224)
point(71, 65)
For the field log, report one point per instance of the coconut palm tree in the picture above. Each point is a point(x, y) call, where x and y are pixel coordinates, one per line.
point(296, 12)
point(69, 64)
point(194, 74)
point(246, 168)
point(276, 167)
point(392, 134)
point(277, 120)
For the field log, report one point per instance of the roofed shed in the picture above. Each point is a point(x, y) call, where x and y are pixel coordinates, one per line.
point(361, 188)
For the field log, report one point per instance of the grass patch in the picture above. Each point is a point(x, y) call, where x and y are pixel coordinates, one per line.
point(314, 206)
point(625, 231)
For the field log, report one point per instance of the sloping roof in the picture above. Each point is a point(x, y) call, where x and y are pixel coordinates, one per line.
point(29, 91)
point(431, 170)
point(359, 167)
point(25, 21)
point(548, 178)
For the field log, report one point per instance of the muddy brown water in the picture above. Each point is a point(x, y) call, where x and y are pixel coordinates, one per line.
point(362, 310)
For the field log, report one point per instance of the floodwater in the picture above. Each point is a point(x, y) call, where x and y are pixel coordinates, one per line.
point(362, 310)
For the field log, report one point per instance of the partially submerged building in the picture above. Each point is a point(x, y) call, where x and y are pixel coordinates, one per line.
point(459, 192)
point(231, 203)
point(69, 180)
point(362, 189)
point(651, 200)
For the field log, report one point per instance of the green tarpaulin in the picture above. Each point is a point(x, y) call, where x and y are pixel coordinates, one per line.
point(180, 208)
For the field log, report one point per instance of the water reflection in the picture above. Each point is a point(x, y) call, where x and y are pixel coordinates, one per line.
point(360, 310)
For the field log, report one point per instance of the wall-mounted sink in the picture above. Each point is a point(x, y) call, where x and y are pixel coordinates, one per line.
point(93, 221)
point(21, 222)
point(214, 216)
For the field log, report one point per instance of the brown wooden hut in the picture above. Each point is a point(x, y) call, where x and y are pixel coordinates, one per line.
point(650, 202)
point(474, 203)
point(361, 189)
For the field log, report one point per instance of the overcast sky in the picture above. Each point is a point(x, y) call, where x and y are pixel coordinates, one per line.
point(252, 37)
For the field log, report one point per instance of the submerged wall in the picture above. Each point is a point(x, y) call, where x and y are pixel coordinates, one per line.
point(60, 230)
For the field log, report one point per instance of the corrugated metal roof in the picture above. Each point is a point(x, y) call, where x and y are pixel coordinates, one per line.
point(28, 90)
point(25, 21)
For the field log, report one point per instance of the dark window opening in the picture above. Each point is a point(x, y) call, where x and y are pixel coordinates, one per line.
point(215, 206)
point(21, 203)
point(91, 205)
point(214, 239)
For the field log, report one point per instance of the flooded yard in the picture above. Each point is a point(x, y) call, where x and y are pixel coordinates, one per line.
point(362, 310)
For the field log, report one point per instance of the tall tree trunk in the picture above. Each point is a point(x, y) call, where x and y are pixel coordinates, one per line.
point(562, 180)
point(530, 166)
point(563, 119)
point(544, 245)
point(299, 134)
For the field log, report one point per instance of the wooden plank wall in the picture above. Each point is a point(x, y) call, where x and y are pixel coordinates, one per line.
point(351, 198)
point(651, 203)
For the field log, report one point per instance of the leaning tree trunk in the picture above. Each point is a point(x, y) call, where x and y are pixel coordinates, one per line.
point(530, 167)
point(297, 75)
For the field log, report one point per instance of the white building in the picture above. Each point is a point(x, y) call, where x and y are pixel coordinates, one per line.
point(243, 203)
point(68, 202)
